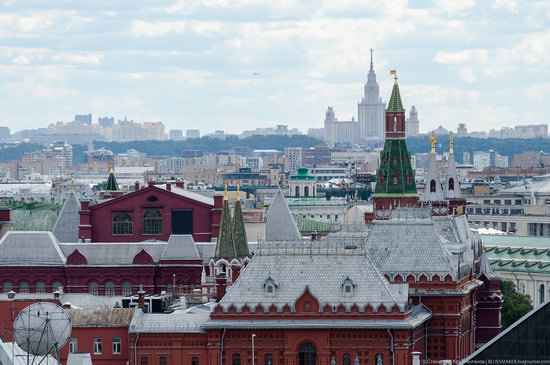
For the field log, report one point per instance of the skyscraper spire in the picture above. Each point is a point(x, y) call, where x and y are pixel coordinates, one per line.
point(371, 64)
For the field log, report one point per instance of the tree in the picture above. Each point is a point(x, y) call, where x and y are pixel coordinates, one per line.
point(515, 306)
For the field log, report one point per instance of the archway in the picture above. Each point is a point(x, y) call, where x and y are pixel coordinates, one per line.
point(307, 354)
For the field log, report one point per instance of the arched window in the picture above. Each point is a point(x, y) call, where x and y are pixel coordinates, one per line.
point(451, 184)
point(306, 191)
point(307, 354)
point(346, 359)
point(144, 361)
point(541, 293)
point(24, 287)
point(126, 288)
point(163, 360)
point(93, 288)
point(236, 359)
point(297, 191)
point(122, 223)
point(268, 359)
point(270, 287)
point(40, 287)
point(109, 289)
point(379, 359)
point(152, 221)
point(432, 186)
point(7, 286)
point(56, 286)
point(195, 361)
point(522, 288)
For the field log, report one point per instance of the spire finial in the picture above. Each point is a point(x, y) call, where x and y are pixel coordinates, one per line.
point(432, 140)
point(451, 149)
point(278, 180)
point(394, 74)
point(225, 191)
point(238, 190)
point(371, 66)
point(356, 198)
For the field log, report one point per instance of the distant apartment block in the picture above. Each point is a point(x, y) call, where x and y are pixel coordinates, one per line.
point(193, 133)
point(5, 134)
point(293, 158)
point(106, 122)
point(175, 135)
point(83, 118)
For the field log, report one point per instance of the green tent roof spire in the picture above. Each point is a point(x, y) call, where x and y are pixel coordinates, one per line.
point(395, 104)
point(112, 185)
point(239, 232)
point(225, 246)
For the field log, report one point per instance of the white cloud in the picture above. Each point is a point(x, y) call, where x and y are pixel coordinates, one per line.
point(82, 59)
point(469, 55)
point(21, 60)
point(467, 74)
point(156, 29)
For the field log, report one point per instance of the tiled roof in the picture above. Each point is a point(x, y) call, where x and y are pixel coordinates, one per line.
point(322, 271)
point(451, 173)
point(186, 320)
point(66, 227)
point(395, 104)
point(30, 248)
point(34, 219)
point(108, 317)
point(409, 247)
point(106, 254)
point(280, 224)
point(180, 247)
point(432, 174)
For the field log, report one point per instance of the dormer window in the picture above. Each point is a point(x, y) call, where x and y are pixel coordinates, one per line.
point(348, 287)
point(270, 287)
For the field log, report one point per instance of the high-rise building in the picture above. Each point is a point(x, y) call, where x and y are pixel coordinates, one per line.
point(83, 118)
point(371, 109)
point(175, 135)
point(5, 134)
point(193, 133)
point(293, 158)
point(106, 122)
point(412, 123)
point(462, 131)
point(339, 132)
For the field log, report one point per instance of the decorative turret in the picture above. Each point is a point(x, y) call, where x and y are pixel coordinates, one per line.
point(225, 246)
point(239, 232)
point(112, 184)
point(452, 186)
point(395, 184)
point(433, 191)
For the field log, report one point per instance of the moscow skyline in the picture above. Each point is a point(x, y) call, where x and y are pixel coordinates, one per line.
point(240, 64)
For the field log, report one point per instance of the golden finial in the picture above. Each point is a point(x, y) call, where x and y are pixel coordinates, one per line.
point(451, 150)
point(278, 180)
point(238, 190)
point(356, 198)
point(432, 139)
point(225, 191)
point(394, 74)
point(72, 179)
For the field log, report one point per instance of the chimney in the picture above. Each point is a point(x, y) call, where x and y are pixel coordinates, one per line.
point(235, 272)
point(85, 205)
point(168, 186)
point(218, 201)
point(220, 287)
point(141, 297)
point(150, 183)
point(314, 236)
point(5, 215)
point(180, 184)
point(136, 186)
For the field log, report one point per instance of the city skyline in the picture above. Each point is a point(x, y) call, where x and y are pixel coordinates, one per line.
point(236, 65)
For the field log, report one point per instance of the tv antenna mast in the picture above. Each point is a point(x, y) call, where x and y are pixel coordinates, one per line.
point(41, 329)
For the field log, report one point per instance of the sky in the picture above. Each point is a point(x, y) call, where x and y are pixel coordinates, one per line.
point(240, 64)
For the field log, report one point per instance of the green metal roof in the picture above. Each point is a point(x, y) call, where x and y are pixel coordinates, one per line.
point(516, 241)
point(307, 225)
point(517, 253)
point(395, 104)
point(302, 174)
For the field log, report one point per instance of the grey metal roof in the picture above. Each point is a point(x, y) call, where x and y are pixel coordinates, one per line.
point(188, 194)
point(280, 225)
point(106, 254)
point(322, 271)
point(88, 301)
point(451, 173)
point(408, 247)
point(30, 248)
point(66, 227)
point(432, 174)
point(180, 247)
point(185, 320)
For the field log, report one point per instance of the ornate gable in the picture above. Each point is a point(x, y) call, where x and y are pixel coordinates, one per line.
point(77, 258)
point(143, 258)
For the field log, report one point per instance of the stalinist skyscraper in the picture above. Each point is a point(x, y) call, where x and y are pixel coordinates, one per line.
point(371, 109)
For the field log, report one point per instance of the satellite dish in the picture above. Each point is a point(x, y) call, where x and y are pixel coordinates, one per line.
point(42, 328)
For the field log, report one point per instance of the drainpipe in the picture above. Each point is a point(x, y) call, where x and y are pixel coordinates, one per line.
point(221, 347)
point(135, 348)
point(391, 344)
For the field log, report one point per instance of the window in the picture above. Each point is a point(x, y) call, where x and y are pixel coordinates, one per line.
point(152, 199)
point(379, 359)
point(73, 345)
point(451, 184)
point(268, 359)
point(116, 345)
point(522, 288)
point(24, 287)
point(270, 287)
point(195, 361)
point(109, 289)
point(126, 288)
point(297, 191)
point(152, 222)
point(306, 191)
point(93, 288)
point(97, 345)
point(347, 287)
point(144, 361)
point(163, 360)
point(432, 186)
point(236, 359)
point(307, 354)
point(40, 287)
point(541, 293)
point(122, 223)
point(346, 359)
point(56, 286)
point(7, 287)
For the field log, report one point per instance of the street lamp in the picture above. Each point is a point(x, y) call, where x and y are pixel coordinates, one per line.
point(253, 336)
